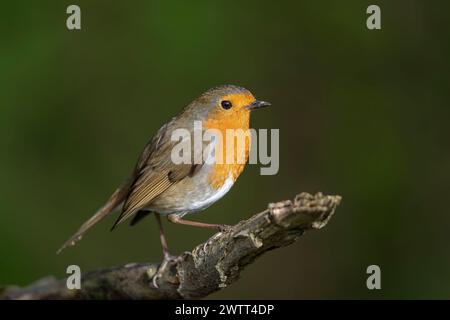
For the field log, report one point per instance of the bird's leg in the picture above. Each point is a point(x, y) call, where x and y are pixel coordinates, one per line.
point(162, 238)
point(176, 219)
point(167, 257)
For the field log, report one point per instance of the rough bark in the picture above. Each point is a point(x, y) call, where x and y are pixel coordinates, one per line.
point(207, 268)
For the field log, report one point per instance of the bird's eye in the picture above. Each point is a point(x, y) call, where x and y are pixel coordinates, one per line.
point(226, 104)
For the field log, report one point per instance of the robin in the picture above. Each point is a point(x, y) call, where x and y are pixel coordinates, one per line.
point(159, 186)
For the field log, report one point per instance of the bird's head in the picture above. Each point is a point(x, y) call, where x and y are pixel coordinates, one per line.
point(227, 105)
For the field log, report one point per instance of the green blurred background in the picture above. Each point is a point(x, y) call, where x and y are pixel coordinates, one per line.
point(361, 113)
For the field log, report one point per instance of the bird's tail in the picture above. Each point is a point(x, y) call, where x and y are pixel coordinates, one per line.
point(113, 202)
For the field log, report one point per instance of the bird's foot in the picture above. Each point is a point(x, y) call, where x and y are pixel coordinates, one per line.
point(168, 259)
point(224, 227)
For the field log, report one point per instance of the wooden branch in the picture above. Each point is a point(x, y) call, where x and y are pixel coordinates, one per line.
point(207, 268)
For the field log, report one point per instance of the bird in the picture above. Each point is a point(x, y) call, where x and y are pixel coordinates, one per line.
point(161, 187)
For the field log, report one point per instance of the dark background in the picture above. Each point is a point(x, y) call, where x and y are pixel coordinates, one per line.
point(361, 113)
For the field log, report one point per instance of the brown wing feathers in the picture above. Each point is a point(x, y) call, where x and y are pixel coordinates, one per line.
point(120, 195)
point(153, 174)
point(149, 186)
point(143, 191)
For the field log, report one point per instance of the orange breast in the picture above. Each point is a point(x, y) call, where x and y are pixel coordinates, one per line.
point(239, 123)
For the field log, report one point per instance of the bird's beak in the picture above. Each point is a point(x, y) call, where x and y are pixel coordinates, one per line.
point(258, 104)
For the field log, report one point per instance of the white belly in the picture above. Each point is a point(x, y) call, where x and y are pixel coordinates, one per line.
point(211, 196)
